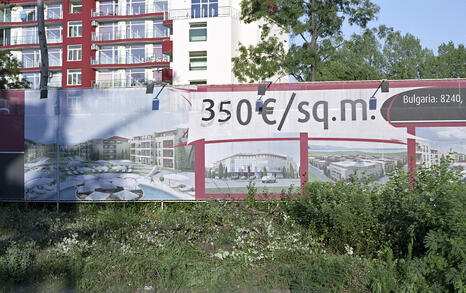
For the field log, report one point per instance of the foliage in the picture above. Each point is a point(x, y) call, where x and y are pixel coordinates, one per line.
point(415, 227)
point(319, 52)
point(10, 76)
point(358, 58)
point(342, 237)
point(449, 62)
point(16, 263)
point(316, 26)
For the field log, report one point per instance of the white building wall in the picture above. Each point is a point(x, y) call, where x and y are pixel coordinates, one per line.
point(223, 36)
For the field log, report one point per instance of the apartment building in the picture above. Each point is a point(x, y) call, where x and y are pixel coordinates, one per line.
point(345, 169)
point(158, 149)
point(112, 148)
point(128, 43)
point(427, 156)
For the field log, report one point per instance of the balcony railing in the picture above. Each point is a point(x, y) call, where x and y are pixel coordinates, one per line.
point(186, 13)
point(26, 40)
point(122, 83)
point(161, 6)
point(123, 35)
point(18, 16)
point(50, 84)
point(130, 60)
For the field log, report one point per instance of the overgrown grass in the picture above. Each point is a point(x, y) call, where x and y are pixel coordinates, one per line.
point(337, 238)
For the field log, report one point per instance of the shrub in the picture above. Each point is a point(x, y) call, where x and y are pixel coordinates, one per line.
point(17, 261)
point(344, 214)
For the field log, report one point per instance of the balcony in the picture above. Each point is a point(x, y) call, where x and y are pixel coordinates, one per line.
point(28, 40)
point(121, 83)
point(51, 84)
point(35, 63)
point(187, 13)
point(129, 60)
point(125, 35)
point(31, 15)
point(161, 6)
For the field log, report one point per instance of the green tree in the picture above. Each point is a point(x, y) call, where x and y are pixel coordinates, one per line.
point(359, 58)
point(449, 63)
point(10, 76)
point(314, 25)
point(404, 57)
point(220, 170)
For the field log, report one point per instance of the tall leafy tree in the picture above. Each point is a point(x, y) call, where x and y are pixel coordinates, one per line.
point(404, 56)
point(10, 76)
point(314, 25)
point(359, 58)
point(450, 62)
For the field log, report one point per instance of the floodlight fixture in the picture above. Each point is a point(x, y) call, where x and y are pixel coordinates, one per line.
point(261, 89)
point(373, 100)
point(156, 100)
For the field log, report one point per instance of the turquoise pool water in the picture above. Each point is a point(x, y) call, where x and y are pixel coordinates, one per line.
point(152, 193)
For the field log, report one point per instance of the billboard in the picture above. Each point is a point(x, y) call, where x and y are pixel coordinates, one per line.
point(195, 143)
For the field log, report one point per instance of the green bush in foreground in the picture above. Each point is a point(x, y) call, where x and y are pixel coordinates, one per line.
point(342, 237)
point(418, 225)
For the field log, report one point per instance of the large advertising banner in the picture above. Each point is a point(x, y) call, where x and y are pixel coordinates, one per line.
point(195, 143)
point(111, 146)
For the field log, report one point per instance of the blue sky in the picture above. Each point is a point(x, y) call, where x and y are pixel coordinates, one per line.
point(433, 22)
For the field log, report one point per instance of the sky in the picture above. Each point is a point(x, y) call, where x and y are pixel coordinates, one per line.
point(433, 22)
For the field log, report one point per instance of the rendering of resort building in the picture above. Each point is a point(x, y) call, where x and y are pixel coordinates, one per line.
point(128, 43)
point(259, 164)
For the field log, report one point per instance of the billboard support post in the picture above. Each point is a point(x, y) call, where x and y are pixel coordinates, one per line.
point(411, 153)
point(303, 163)
point(199, 158)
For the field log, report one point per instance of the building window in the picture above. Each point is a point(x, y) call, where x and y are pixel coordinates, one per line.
point(53, 33)
point(31, 58)
point(135, 29)
point(135, 77)
point(5, 14)
point(74, 52)
point(159, 29)
point(135, 54)
point(33, 78)
point(53, 11)
point(109, 31)
point(198, 32)
point(109, 55)
point(108, 8)
point(29, 13)
point(55, 80)
point(55, 56)
point(208, 8)
point(198, 60)
point(135, 7)
point(75, 29)
point(74, 77)
point(76, 6)
point(29, 36)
